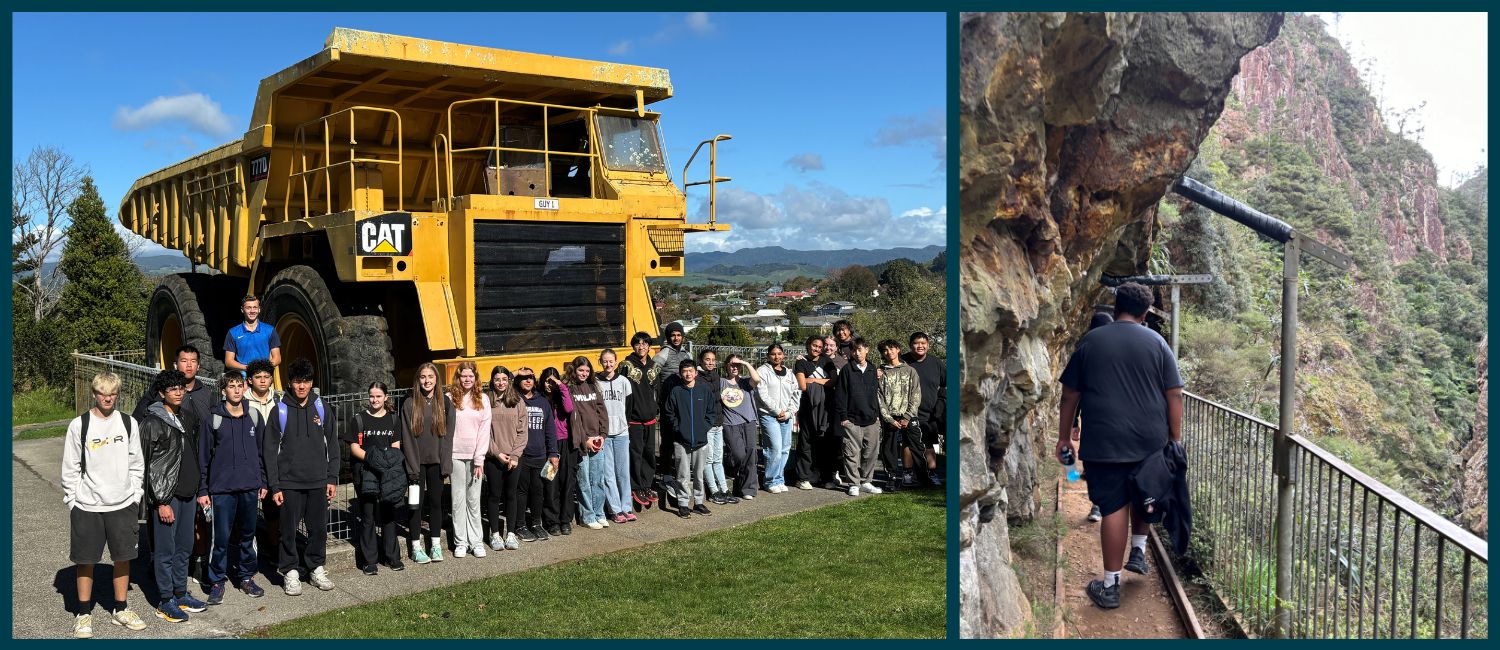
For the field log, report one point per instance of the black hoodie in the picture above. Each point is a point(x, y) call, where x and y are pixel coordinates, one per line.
point(304, 456)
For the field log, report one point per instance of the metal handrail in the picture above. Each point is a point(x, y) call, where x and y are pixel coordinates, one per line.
point(713, 173)
point(1336, 543)
point(546, 150)
point(300, 151)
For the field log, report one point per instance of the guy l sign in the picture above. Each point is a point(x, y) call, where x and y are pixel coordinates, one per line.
point(384, 234)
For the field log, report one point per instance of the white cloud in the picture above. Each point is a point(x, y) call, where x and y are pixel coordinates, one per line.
point(929, 129)
point(817, 217)
point(805, 162)
point(194, 110)
point(619, 48)
point(699, 23)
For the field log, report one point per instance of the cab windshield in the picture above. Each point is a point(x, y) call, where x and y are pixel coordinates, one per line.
point(630, 144)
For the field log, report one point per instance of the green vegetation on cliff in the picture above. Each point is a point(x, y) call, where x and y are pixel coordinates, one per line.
point(1386, 351)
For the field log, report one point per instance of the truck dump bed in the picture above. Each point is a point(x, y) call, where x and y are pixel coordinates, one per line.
point(213, 205)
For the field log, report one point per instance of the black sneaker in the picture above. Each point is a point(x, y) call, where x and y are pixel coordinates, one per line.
point(684, 512)
point(553, 531)
point(702, 510)
point(525, 534)
point(1094, 514)
point(728, 498)
point(716, 498)
point(542, 533)
point(1137, 562)
point(371, 570)
point(251, 589)
point(396, 565)
point(1104, 597)
point(566, 529)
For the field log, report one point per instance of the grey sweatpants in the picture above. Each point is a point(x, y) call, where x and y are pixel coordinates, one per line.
point(689, 473)
point(861, 447)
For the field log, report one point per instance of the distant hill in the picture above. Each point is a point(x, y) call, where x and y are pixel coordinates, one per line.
point(150, 265)
point(826, 260)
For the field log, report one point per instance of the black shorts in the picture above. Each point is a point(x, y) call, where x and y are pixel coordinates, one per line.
point(1110, 486)
point(91, 531)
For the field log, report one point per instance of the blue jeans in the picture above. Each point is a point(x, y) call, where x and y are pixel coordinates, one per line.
point(777, 448)
point(234, 527)
point(616, 454)
point(713, 470)
point(591, 486)
point(172, 544)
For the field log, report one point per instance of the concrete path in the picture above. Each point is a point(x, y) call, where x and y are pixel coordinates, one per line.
point(43, 577)
point(23, 428)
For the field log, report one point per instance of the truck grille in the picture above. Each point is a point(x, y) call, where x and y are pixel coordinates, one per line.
point(544, 287)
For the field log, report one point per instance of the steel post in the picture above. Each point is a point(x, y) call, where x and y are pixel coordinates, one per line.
point(1176, 314)
point(1282, 461)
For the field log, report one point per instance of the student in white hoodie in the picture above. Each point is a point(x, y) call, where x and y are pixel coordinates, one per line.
point(778, 396)
point(102, 479)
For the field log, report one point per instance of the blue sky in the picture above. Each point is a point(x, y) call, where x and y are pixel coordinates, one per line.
point(838, 119)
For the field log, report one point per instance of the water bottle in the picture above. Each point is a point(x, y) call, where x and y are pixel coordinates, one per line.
point(1067, 461)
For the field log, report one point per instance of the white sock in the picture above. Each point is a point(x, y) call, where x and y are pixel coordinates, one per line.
point(1111, 578)
point(1138, 541)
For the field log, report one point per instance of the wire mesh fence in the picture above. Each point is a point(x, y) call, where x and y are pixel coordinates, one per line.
point(1365, 560)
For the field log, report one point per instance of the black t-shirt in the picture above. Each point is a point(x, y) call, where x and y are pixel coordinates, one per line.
point(809, 369)
point(370, 432)
point(1123, 371)
point(932, 374)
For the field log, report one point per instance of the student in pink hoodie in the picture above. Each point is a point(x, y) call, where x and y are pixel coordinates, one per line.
point(471, 441)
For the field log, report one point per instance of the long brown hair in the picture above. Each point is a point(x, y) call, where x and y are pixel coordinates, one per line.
point(456, 390)
point(511, 397)
point(420, 402)
point(572, 377)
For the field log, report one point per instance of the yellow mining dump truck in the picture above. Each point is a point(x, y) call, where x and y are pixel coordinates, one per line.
point(399, 200)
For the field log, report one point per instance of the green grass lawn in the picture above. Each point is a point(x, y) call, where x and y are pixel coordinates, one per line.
point(37, 434)
point(43, 405)
point(875, 567)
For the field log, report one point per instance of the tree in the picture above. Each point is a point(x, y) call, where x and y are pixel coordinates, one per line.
point(39, 352)
point(102, 305)
point(853, 283)
point(798, 283)
point(43, 186)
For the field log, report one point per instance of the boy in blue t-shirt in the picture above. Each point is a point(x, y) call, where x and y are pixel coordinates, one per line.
point(251, 340)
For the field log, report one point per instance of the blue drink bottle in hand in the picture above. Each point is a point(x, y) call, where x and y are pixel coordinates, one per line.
point(1067, 461)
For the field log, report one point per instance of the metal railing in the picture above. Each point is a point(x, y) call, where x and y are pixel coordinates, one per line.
point(497, 149)
point(325, 170)
point(1365, 562)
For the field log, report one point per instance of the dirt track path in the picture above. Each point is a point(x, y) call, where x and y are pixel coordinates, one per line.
point(1145, 611)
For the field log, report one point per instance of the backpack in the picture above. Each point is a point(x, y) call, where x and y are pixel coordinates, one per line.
point(281, 412)
point(83, 439)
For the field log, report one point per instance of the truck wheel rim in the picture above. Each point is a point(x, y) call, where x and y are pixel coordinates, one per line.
point(296, 343)
point(169, 339)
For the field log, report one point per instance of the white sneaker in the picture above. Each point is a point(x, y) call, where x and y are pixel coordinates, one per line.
point(870, 487)
point(460, 551)
point(320, 579)
point(748, 497)
point(128, 619)
point(803, 485)
point(603, 523)
point(496, 543)
point(291, 583)
point(83, 626)
point(479, 551)
point(854, 490)
point(512, 542)
point(594, 525)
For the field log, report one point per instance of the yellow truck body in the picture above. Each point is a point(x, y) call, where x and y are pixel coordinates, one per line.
point(450, 202)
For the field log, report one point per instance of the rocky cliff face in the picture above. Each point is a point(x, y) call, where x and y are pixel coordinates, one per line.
point(1476, 455)
point(1072, 128)
point(1303, 85)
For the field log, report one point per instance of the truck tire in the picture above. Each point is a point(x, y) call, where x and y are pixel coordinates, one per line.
point(348, 352)
point(174, 318)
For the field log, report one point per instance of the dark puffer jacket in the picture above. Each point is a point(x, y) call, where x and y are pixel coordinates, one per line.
point(383, 474)
point(164, 443)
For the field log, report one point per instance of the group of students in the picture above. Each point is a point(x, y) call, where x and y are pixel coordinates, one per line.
point(525, 455)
